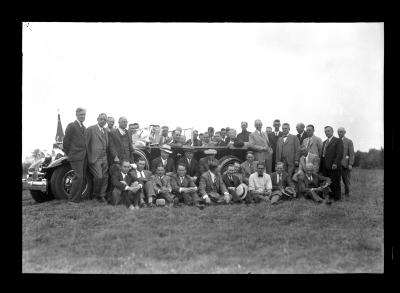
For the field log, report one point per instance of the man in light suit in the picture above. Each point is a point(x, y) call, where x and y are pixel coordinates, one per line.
point(275, 135)
point(212, 188)
point(97, 146)
point(120, 143)
point(280, 183)
point(306, 157)
point(248, 167)
point(165, 160)
point(162, 185)
point(311, 142)
point(331, 161)
point(314, 186)
point(144, 178)
point(301, 134)
point(287, 150)
point(261, 145)
point(74, 145)
point(206, 161)
point(347, 161)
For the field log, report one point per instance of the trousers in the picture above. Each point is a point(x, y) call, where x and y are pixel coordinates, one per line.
point(79, 168)
point(346, 176)
point(99, 170)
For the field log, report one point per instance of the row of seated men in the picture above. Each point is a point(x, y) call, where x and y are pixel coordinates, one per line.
point(246, 182)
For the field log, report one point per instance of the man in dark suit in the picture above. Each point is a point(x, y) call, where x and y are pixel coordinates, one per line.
point(110, 124)
point(144, 178)
point(191, 164)
point(164, 138)
point(231, 182)
point(162, 185)
point(313, 185)
point(248, 167)
point(218, 141)
point(347, 161)
point(275, 135)
point(280, 183)
point(195, 141)
point(183, 187)
point(74, 145)
point(301, 134)
point(212, 188)
point(244, 135)
point(288, 150)
point(331, 158)
point(124, 190)
point(97, 145)
point(206, 161)
point(120, 143)
point(165, 160)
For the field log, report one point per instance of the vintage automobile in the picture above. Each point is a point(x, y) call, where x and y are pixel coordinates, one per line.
point(50, 177)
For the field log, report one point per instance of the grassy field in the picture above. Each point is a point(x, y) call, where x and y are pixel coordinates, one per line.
point(293, 237)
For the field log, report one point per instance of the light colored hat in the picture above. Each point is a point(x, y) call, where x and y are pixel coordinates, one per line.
point(289, 191)
point(166, 148)
point(210, 152)
point(241, 190)
point(160, 202)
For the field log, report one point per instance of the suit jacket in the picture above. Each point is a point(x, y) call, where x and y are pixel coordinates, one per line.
point(257, 142)
point(348, 152)
point(206, 185)
point(117, 147)
point(274, 140)
point(203, 164)
point(243, 136)
point(288, 150)
point(228, 183)
point(116, 179)
point(176, 183)
point(317, 181)
point(247, 170)
point(170, 167)
point(74, 142)
point(147, 175)
point(158, 183)
point(193, 169)
point(302, 137)
point(96, 143)
point(285, 182)
point(334, 152)
point(313, 144)
point(196, 142)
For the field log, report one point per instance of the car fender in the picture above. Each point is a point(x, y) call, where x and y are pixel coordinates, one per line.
point(59, 162)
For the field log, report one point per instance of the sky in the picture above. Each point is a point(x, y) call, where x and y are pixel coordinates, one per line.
point(204, 74)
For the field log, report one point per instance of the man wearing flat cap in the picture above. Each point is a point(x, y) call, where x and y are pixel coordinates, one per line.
point(165, 160)
point(210, 158)
point(212, 188)
point(191, 164)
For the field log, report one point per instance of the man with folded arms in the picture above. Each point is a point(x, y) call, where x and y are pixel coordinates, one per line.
point(183, 187)
point(162, 185)
point(212, 188)
point(125, 189)
point(282, 185)
point(314, 186)
point(260, 185)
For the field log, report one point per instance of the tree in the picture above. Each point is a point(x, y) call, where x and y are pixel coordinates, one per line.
point(37, 154)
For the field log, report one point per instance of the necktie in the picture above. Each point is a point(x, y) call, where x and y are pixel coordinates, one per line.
point(182, 180)
point(326, 144)
point(279, 177)
point(308, 142)
point(142, 173)
point(189, 161)
point(230, 178)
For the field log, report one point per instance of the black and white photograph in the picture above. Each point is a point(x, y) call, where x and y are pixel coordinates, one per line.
point(202, 147)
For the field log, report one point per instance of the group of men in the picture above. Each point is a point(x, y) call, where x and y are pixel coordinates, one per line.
point(278, 165)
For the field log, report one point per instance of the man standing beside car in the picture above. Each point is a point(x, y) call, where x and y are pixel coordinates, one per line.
point(74, 145)
point(97, 145)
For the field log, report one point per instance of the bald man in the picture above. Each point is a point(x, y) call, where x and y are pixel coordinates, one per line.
point(97, 145)
point(347, 161)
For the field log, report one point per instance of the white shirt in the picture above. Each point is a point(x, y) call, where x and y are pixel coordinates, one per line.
point(276, 133)
point(123, 178)
point(140, 174)
point(212, 176)
point(189, 161)
point(80, 123)
point(164, 162)
point(260, 183)
point(122, 131)
point(100, 128)
point(284, 138)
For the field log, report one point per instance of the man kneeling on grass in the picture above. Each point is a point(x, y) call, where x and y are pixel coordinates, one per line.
point(260, 185)
point(162, 186)
point(313, 185)
point(282, 185)
point(125, 189)
point(212, 187)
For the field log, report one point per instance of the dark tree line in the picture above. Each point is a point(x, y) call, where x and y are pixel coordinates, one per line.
point(371, 160)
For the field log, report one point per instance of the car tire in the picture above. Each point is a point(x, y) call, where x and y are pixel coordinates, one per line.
point(40, 196)
point(225, 161)
point(60, 183)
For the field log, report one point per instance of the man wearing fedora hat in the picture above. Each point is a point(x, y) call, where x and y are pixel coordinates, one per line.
point(212, 188)
point(165, 160)
point(183, 187)
point(282, 185)
point(191, 164)
point(231, 182)
point(210, 158)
